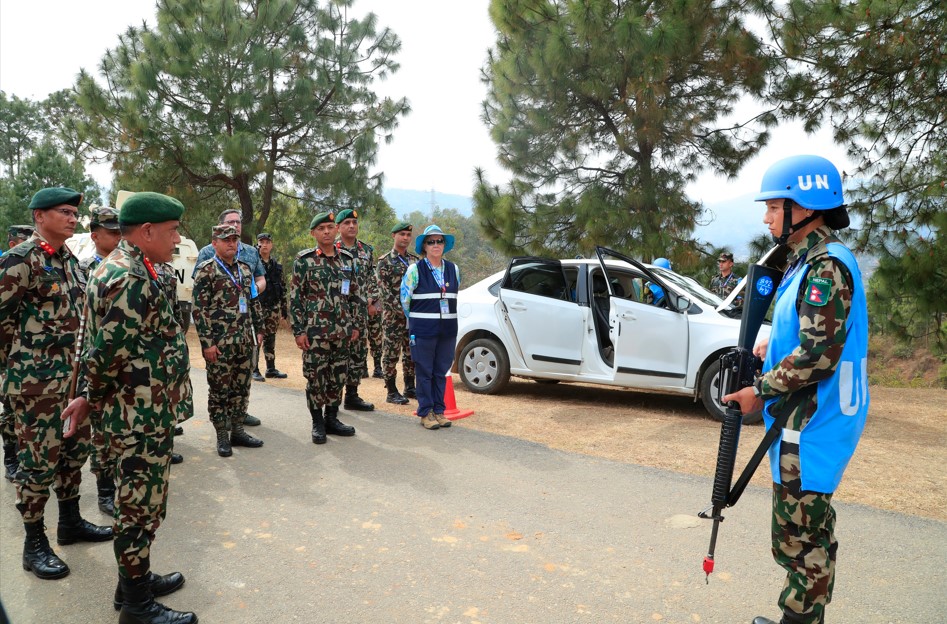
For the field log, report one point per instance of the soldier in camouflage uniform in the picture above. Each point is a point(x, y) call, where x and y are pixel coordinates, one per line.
point(169, 284)
point(105, 236)
point(324, 313)
point(41, 301)
point(16, 234)
point(273, 304)
point(815, 374)
point(724, 282)
point(137, 374)
point(364, 254)
point(225, 317)
point(391, 269)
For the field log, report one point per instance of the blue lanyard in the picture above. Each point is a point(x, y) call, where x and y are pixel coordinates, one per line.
point(402, 260)
point(439, 278)
point(232, 278)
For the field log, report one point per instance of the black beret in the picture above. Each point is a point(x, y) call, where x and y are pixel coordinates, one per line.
point(56, 196)
point(148, 207)
point(348, 213)
point(322, 217)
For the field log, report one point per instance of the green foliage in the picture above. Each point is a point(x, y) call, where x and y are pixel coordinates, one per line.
point(604, 111)
point(22, 125)
point(236, 102)
point(875, 70)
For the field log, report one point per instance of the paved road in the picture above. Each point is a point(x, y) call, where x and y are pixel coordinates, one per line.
point(404, 525)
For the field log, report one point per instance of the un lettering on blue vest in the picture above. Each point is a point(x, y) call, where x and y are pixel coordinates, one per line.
point(852, 392)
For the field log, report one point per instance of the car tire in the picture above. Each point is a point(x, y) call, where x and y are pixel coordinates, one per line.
point(484, 366)
point(709, 383)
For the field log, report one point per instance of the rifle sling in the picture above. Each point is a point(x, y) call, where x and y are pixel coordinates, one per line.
point(779, 423)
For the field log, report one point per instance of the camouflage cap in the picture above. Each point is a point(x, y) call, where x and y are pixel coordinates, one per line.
point(348, 213)
point(19, 231)
point(104, 217)
point(148, 207)
point(47, 198)
point(725, 255)
point(224, 231)
point(322, 217)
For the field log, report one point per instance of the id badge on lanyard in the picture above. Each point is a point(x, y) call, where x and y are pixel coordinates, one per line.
point(243, 304)
point(346, 285)
point(445, 308)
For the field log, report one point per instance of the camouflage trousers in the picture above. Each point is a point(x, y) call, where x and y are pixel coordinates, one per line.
point(375, 338)
point(7, 427)
point(101, 460)
point(228, 381)
point(142, 469)
point(804, 543)
point(397, 343)
point(46, 459)
point(356, 361)
point(324, 368)
point(271, 318)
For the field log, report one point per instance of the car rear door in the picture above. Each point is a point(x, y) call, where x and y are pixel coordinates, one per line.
point(541, 310)
point(650, 343)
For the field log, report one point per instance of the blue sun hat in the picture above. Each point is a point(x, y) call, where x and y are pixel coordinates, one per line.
point(433, 229)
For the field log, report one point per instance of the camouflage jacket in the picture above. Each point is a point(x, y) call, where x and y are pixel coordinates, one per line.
point(41, 300)
point(723, 286)
point(317, 305)
point(364, 255)
point(87, 266)
point(168, 280)
point(137, 368)
point(391, 269)
point(217, 316)
point(822, 330)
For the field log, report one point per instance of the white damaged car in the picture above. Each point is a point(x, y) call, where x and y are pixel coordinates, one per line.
point(609, 320)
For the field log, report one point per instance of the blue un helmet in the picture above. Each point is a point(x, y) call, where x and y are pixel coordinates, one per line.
point(664, 263)
point(811, 182)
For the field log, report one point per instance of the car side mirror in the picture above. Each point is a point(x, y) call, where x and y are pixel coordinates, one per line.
point(683, 304)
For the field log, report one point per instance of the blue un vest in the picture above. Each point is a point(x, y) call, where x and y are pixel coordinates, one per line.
point(828, 440)
point(425, 317)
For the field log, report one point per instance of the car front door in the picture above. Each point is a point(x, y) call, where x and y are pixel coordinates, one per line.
point(650, 342)
point(541, 308)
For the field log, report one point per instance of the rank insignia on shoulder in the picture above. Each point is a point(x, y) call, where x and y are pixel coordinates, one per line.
point(817, 291)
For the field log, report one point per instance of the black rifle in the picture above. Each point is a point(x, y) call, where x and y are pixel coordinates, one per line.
point(738, 369)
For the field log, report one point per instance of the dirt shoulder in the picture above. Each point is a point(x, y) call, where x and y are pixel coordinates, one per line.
point(900, 464)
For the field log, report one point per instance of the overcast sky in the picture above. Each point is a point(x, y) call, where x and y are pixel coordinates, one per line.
point(444, 46)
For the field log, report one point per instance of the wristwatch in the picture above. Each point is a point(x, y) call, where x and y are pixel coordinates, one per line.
point(757, 388)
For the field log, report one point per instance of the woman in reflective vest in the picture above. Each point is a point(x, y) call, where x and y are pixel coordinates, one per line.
point(429, 299)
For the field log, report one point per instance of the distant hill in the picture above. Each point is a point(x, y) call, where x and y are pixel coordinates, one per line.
point(405, 201)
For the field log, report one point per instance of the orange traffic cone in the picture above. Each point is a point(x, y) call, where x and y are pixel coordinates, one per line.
point(450, 403)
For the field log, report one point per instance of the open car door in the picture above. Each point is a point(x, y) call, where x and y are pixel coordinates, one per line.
point(537, 298)
point(649, 341)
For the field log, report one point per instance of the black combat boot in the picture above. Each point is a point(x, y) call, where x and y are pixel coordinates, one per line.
point(251, 421)
point(355, 402)
point(393, 395)
point(139, 606)
point(176, 458)
point(762, 620)
point(333, 426)
point(409, 391)
point(378, 373)
point(318, 426)
point(38, 557)
point(223, 443)
point(106, 488)
point(10, 462)
point(160, 585)
point(73, 528)
point(257, 376)
point(239, 437)
point(271, 371)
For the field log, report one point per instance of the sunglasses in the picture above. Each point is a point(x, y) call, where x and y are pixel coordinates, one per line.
point(434, 241)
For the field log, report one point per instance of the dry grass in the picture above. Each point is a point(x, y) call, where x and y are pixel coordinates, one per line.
point(900, 465)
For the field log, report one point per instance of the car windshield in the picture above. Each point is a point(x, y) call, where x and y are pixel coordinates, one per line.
point(689, 285)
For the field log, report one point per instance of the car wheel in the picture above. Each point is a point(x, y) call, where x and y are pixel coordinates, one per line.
point(709, 387)
point(484, 367)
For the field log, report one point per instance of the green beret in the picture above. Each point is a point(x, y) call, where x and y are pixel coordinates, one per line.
point(56, 196)
point(150, 207)
point(319, 219)
point(404, 226)
point(348, 213)
point(224, 231)
point(104, 217)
